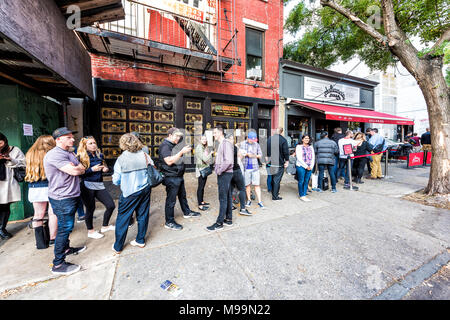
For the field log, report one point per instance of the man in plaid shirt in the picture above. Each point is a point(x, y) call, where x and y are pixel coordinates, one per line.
point(252, 152)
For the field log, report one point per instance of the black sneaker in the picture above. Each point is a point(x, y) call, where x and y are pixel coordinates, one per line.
point(66, 268)
point(228, 223)
point(192, 214)
point(347, 186)
point(277, 198)
point(131, 222)
point(233, 208)
point(245, 212)
point(81, 219)
point(75, 251)
point(173, 226)
point(215, 227)
point(51, 243)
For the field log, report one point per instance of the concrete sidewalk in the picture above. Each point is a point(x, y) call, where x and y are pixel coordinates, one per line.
point(347, 245)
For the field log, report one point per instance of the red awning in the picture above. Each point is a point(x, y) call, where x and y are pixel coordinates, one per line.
point(354, 114)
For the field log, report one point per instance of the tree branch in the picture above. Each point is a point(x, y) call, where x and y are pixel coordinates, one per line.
point(444, 37)
point(361, 24)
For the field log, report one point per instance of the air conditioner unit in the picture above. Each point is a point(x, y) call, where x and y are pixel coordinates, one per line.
point(254, 74)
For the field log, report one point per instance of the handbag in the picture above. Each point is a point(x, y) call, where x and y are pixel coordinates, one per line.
point(206, 172)
point(154, 177)
point(19, 174)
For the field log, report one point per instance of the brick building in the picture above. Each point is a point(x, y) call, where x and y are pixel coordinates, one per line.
point(190, 64)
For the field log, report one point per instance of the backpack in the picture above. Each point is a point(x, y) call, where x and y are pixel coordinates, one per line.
point(379, 147)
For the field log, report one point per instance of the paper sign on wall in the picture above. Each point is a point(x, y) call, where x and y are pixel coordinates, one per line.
point(27, 129)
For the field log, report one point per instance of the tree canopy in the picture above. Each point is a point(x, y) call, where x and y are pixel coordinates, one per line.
point(329, 37)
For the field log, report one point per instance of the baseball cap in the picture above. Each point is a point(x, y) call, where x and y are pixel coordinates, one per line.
point(60, 132)
point(252, 136)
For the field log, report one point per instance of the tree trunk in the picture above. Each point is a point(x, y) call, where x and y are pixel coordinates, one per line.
point(437, 97)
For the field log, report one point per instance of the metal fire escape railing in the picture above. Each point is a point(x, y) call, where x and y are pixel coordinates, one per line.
point(216, 36)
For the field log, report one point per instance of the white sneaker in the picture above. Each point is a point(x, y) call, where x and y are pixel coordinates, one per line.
point(95, 235)
point(108, 228)
point(305, 199)
point(135, 244)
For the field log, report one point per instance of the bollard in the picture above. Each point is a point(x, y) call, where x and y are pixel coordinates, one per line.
point(386, 161)
point(349, 165)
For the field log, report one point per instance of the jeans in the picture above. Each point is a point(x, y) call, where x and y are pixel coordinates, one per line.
point(65, 212)
point(276, 180)
point(303, 180)
point(175, 187)
point(88, 196)
point(338, 172)
point(139, 202)
point(238, 181)
point(343, 164)
point(201, 189)
point(331, 170)
point(225, 197)
point(269, 179)
point(80, 210)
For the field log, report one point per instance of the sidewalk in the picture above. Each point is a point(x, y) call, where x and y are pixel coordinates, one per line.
point(347, 245)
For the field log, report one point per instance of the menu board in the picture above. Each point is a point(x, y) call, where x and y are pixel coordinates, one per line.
point(162, 128)
point(142, 115)
point(110, 139)
point(113, 126)
point(191, 118)
point(163, 116)
point(193, 105)
point(229, 110)
point(140, 127)
point(111, 153)
point(114, 114)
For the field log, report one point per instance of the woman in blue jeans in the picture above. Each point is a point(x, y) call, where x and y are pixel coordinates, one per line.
point(130, 173)
point(305, 162)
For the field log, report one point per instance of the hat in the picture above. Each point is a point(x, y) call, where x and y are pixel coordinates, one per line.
point(61, 132)
point(252, 136)
point(175, 131)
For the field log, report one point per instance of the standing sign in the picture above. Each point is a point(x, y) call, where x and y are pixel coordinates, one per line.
point(27, 129)
point(415, 159)
point(348, 149)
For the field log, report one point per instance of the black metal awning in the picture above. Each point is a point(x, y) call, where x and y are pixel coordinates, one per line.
point(119, 45)
point(92, 11)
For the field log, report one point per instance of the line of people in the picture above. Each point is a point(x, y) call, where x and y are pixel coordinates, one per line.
point(60, 181)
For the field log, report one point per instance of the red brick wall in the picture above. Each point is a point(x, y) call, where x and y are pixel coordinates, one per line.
point(269, 13)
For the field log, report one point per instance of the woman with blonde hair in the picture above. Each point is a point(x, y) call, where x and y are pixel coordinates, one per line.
point(38, 189)
point(92, 186)
point(130, 173)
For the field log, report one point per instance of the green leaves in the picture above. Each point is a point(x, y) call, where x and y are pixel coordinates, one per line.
point(327, 36)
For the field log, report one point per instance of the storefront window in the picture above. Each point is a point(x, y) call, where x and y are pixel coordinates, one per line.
point(297, 127)
point(355, 126)
point(254, 49)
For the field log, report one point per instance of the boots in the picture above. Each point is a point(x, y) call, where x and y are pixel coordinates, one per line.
point(4, 217)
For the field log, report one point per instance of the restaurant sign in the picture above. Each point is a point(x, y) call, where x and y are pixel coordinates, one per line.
point(229, 110)
point(316, 89)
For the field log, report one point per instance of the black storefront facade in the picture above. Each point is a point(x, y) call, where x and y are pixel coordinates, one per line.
point(122, 107)
point(299, 82)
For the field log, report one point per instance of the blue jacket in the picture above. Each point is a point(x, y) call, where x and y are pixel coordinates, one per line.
point(90, 175)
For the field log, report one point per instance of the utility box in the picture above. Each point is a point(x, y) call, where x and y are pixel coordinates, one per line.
point(41, 116)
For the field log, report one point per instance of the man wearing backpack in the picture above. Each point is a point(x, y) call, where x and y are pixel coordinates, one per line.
point(378, 144)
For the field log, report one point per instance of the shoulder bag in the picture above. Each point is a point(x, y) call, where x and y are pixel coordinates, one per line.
point(154, 176)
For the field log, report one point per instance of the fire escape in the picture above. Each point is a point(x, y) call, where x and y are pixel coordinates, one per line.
point(150, 34)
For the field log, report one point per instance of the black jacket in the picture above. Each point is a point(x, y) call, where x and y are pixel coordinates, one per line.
point(90, 175)
point(326, 151)
point(281, 154)
point(336, 137)
point(426, 138)
point(364, 148)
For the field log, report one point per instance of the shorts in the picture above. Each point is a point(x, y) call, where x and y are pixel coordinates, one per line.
point(252, 177)
point(38, 194)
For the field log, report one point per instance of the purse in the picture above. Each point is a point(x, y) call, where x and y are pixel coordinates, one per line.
point(206, 172)
point(154, 177)
point(19, 174)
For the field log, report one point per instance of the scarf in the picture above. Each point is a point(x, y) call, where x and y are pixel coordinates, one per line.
point(307, 155)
